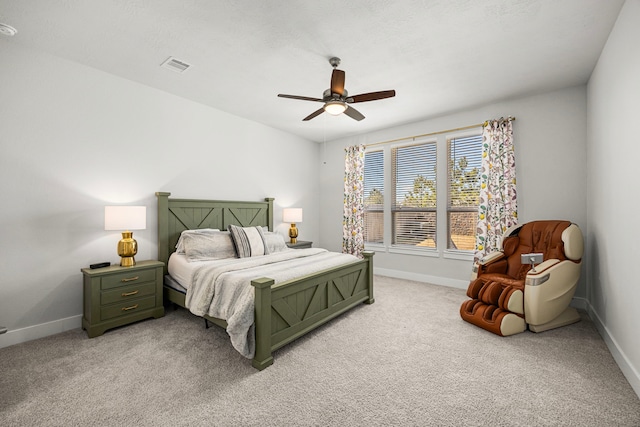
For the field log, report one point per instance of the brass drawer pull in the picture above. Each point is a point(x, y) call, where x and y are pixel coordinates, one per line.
point(130, 279)
point(128, 294)
point(130, 308)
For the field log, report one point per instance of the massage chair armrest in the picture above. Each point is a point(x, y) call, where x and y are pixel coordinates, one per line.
point(484, 264)
point(554, 270)
point(549, 290)
point(541, 272)
point(491, 257)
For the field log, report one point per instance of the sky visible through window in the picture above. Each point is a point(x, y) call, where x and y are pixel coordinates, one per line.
point(411, 162)
point(465, 157)
point(373, 175)
point(469, 147)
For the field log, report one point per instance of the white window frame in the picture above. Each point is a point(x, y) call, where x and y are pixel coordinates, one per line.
point(406, 249)
point(442, 225)
point(387, 246)
point(466, 255)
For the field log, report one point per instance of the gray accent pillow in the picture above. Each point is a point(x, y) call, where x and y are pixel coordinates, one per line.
point(249, 241)
point(208, 246)
point(180, 244)
point(275, 242)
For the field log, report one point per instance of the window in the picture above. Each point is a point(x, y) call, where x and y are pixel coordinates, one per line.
point(417, 220)
point(374, 197)
point(413, 207)
point(464, 164)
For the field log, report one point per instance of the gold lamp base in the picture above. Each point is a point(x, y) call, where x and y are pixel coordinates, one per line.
point(127, 249)
point(293, 234)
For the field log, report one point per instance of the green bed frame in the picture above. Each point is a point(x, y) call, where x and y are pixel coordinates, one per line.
point(283, 311)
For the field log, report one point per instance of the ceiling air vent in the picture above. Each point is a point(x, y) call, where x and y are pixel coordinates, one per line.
point(7, 30)
point(176, 65)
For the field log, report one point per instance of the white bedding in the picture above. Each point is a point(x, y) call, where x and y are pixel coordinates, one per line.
point(182, 270)
point(222, 288)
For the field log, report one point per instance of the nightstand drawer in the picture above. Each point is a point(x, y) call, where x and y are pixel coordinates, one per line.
point(126, 308)
point(129, 292)
point(128, 278)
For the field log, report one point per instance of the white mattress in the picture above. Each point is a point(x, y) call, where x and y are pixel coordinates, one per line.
point(182, 270)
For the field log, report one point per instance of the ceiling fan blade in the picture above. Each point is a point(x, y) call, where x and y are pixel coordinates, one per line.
point(314, 114)
point(302, 98)
point(371, 96)
point(353, 113)
point(337, 81)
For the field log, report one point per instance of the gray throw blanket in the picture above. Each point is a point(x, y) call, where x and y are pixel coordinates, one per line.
point(224, 291)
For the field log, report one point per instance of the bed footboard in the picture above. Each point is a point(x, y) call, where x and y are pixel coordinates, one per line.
point(288, 310)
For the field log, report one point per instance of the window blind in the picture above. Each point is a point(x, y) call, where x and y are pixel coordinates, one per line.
point(374, 197)
point(414, 186)
point(463, 188)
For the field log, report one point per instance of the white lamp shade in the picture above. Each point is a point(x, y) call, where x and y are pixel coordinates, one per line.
point(125, 217)
point(335, 107)
point(292, 215)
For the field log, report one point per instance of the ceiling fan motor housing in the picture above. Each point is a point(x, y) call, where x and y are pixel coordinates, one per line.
point(328, 96)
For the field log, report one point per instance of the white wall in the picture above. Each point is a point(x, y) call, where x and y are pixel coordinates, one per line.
point(613, 152)
point(74, 139)
point(550, 146)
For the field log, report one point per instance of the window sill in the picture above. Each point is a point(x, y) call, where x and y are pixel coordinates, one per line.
point(427, 252)
point(461, 255)
point(375, 247)
point(431, 252)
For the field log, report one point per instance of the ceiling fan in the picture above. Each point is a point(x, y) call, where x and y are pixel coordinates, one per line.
point(336, 99)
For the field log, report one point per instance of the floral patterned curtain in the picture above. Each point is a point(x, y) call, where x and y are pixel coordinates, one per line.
point(498, 208)
point(353, 216)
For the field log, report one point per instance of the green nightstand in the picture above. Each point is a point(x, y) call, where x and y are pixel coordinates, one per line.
point(300, 244)
point(116, 296)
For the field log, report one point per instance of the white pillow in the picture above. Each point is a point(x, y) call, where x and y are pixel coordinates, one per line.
point(275, 242)
point(208, 246)
point(180, 244)
point(249, 241)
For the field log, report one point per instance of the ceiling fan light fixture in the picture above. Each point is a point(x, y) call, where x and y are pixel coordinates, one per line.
point(335, 107)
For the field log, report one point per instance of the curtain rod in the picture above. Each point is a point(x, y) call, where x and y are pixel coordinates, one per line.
point(434, 133)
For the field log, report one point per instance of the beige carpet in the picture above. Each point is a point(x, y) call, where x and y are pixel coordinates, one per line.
point(407, 360)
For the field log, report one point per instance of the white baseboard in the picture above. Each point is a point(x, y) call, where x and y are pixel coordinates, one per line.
point(426, 278)
point(628, 370)
point(42, 330)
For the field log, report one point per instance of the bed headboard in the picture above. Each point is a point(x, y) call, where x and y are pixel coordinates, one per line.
point(177, 215)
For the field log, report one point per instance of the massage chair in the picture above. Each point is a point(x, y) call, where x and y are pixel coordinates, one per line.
point(508, 292)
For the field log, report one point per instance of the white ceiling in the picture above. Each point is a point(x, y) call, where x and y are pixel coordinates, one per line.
point(440, 56)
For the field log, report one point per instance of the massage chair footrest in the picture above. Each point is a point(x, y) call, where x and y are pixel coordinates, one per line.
point(492, 318)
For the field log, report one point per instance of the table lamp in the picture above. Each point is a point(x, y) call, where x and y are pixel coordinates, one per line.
point(292, 215)
point(126, 218)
